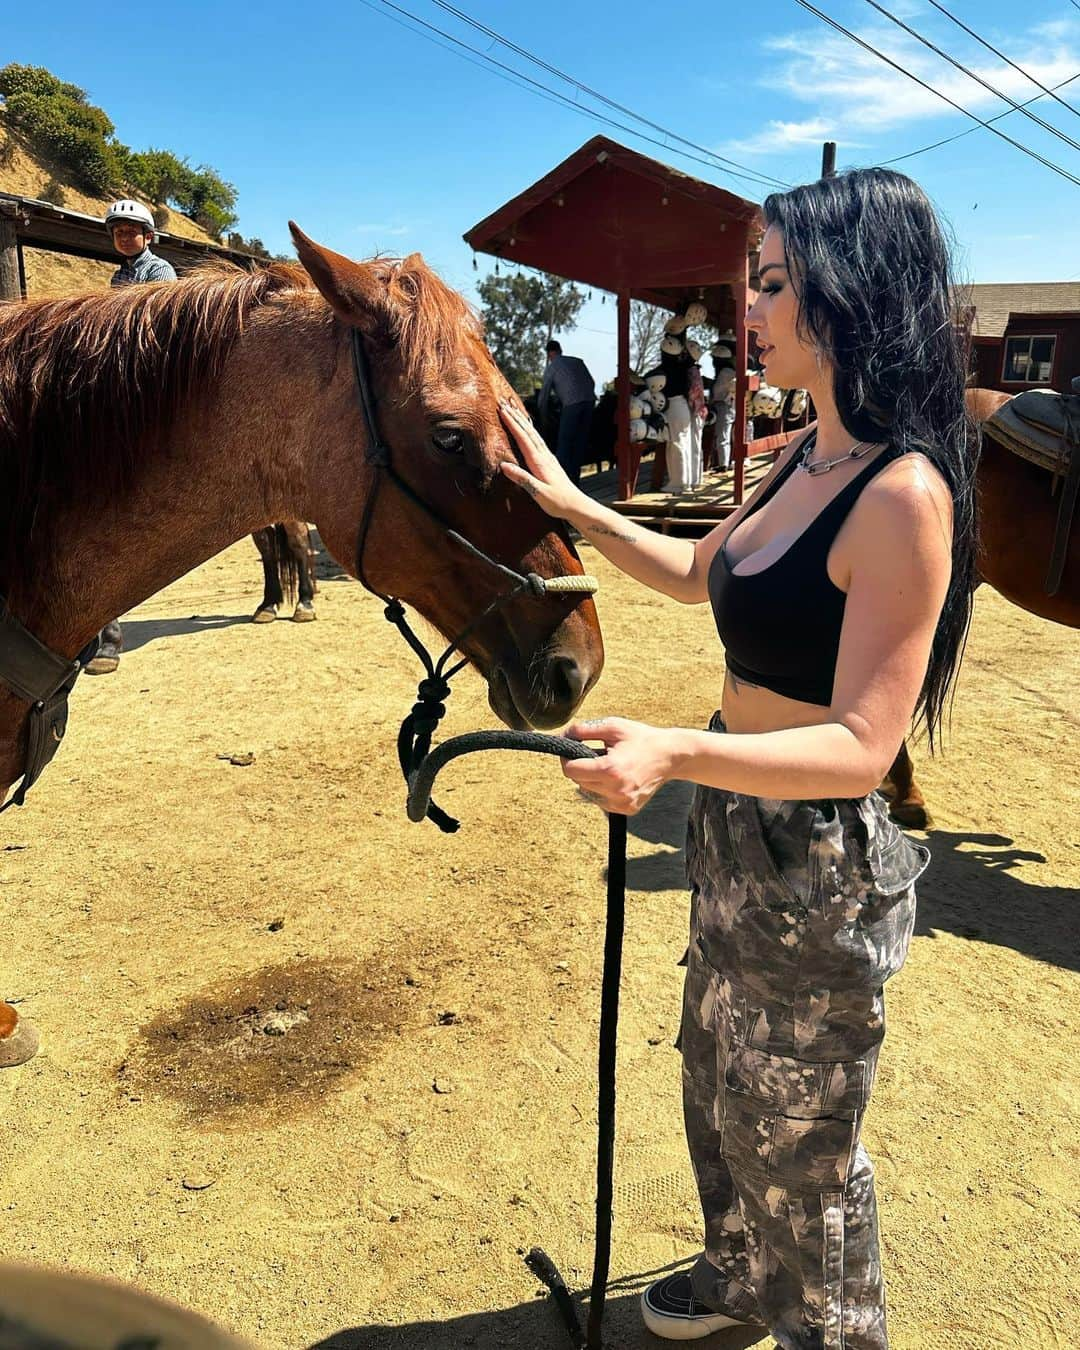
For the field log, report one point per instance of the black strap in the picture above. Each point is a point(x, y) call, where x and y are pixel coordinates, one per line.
point(420, 785)
point(44, 680)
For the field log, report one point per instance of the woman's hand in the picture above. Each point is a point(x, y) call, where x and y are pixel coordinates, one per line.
point(543, 476)
point(637, 761)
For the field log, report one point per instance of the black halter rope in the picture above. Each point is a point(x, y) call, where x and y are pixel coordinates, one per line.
point(420, 764)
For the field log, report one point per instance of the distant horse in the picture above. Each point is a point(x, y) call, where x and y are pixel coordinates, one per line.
point(288, 570)
point(144, 430)
point(1018, 515)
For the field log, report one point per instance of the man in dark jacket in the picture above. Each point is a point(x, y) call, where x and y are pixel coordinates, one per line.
point(568, 378)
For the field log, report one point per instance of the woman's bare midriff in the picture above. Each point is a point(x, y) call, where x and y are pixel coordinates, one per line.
point(750, 708)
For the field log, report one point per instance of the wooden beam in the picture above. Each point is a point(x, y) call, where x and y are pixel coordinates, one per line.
point(627, 456)
point(9, 261)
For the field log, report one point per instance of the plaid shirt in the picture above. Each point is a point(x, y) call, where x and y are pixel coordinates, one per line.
point(146, 266)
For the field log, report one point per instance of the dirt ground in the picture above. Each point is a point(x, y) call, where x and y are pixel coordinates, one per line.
point(324, 1075)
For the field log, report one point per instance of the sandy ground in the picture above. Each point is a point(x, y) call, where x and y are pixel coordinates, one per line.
point(323, 1075)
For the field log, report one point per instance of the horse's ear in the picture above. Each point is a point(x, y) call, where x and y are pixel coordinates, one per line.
point(355, 292)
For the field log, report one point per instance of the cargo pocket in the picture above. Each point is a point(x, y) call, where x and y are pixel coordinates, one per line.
point(894, 862)
point(795, 1121)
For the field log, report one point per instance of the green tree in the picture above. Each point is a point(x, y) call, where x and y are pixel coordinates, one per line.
point(522, 312)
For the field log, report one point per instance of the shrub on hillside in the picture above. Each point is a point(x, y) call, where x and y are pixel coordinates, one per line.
point(64, 126)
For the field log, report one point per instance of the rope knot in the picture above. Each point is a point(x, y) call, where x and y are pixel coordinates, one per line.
point(536, 584)
point(394, 611)
point(432, 690)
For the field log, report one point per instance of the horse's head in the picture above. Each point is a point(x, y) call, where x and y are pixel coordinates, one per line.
point(438, 393)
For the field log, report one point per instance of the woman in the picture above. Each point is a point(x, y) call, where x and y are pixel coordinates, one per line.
point(842, 594)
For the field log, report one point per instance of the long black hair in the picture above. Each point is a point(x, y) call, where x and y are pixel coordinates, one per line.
point(871, 266)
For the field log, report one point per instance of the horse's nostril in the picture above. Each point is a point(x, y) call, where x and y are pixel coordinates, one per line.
point(565, 680)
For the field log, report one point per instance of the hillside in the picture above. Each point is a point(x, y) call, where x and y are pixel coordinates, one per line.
point(27, 174)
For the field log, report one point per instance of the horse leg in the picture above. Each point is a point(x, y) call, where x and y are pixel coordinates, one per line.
point(906, 803)
point(299, 537)
point(18, 1038)
point(272, 597)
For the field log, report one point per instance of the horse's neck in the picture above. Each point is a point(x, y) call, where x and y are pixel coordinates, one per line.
point(233, 462)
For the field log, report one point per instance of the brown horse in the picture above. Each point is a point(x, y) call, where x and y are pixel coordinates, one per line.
point(288, 570)
point(1016, 531)
point(154, 425)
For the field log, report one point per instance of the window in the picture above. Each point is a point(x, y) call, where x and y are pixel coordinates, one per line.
point(1028, 360)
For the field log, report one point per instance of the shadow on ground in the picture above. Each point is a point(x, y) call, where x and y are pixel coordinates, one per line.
point(139, 632)
point(974, 888)
point(528, 1326)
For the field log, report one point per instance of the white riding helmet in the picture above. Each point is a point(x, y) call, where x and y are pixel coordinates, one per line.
point(696, 313)
point(671, 345)
point(129, 210)
point(694, 348)
point(676, 325)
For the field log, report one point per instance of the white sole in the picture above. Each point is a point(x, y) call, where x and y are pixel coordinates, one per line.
point(670, 1328)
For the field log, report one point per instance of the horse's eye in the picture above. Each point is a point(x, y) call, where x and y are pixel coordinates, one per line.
point(449, 440)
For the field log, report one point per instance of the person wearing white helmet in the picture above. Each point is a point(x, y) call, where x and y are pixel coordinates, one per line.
point(131, 227)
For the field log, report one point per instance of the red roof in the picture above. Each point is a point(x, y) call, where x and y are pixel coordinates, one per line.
point(612, 218)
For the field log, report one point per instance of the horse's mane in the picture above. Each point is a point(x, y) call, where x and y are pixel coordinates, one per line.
point(89, 383)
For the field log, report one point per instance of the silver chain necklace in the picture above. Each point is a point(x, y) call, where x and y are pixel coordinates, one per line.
point(858, 451)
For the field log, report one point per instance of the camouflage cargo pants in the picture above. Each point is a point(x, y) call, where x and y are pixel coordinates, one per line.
point(801, 910)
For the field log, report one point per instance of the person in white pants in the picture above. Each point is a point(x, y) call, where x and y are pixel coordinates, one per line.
point(680, 444)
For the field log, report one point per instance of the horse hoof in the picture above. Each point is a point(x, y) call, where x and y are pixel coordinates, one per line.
point(102, 664)
point(20, 1046)
point(911, 815)
point(264, 614)
point(303, 613)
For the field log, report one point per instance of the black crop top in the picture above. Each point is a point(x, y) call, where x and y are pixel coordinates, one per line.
point(780, 626)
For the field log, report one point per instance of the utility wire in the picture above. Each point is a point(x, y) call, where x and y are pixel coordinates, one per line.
point(972, 130)
point(714, 163)
point(1056, 168)
point(1026, 74)
point(1046, 126)
point(586, 89)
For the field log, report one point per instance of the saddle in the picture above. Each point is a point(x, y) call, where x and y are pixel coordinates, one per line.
point(1044, 427)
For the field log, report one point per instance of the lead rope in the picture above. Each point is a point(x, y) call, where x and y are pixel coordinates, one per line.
point(421, 780)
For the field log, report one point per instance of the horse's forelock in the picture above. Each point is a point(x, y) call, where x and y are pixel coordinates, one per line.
point(431, 323)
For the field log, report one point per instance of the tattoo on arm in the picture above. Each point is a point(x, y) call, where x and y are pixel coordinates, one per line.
point(612, 534)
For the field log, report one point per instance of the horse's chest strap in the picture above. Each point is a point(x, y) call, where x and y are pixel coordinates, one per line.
point(44, 680)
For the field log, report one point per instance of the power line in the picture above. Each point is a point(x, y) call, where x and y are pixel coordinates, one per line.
point(972, 130)
point(713, 163)
point(586, 89)
point(1064, 173)
point(1026, 74)
point(1046, 126)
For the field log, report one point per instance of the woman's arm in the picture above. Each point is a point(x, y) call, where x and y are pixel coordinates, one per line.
point(901, 560)
point(675, 567)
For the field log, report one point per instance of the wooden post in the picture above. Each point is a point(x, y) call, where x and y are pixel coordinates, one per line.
point(628, 457)
point(10, 289)
point(741, 295)
point(828, 159)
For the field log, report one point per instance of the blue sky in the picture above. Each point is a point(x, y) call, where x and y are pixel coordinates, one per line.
point(376, 139)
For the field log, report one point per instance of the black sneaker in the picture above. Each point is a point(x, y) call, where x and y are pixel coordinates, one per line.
point(673, 1313)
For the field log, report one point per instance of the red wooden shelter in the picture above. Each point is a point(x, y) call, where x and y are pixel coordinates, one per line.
point(610, 218)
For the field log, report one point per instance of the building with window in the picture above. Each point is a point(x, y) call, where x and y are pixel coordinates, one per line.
point(1025, 335)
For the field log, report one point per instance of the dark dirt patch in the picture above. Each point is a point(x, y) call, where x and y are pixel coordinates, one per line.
point(268, 1043)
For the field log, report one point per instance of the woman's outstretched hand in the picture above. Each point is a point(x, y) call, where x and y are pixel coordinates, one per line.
point(543, 477)
point(637, 761)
